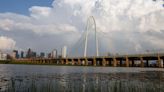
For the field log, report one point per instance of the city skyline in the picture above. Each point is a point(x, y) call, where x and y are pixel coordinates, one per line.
point(81, 45)
point(128, 26)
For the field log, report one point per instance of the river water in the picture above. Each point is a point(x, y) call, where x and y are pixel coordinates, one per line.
point(47, 78)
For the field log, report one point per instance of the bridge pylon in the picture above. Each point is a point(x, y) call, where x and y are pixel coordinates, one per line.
point(91, 19)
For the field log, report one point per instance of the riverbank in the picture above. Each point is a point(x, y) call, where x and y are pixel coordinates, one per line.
point(12, 62)
point(24, 63)
point(5, 61)
point(29, 63)
point(54, 64)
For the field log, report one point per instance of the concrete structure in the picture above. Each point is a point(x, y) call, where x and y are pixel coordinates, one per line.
point(91, 19)
point(49, 55)
point(34, 54)
point(54, 53)
point(15, 54)
point(29, 53)
point(64, 52)
point(42, 55)
point(138, 60)
point(22, 54)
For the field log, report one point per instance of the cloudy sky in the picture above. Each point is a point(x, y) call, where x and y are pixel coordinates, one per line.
point(124, 26)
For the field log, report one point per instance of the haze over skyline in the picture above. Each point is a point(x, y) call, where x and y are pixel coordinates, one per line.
point(129, 26)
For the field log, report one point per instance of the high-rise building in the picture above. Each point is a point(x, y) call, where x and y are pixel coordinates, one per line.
point(29, 53)
point(42, 54)
point(34, 54)
point(22, 54)
point(49, 55)
point(15, 54)
point(64, 52)
point(54, 54)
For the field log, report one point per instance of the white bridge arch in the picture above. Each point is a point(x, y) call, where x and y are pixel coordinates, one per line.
point(91, 20)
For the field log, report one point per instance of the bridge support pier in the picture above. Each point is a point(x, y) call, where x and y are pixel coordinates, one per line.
point(107, 62)
point(163, 61)
point(94, 61)
point(50, 62)
point(104, 62)
point(159, 63)
point(147, 63)
point(79, 62)
point(73, 62)
point(114, 62)
point(120, 62)
point(126, 61)
point(142, 63)
point(46, 62)
point(66, 61)
point(62, 61)
point(110, 62)
point(39, 61)
point(86, 61)
point(133, 64)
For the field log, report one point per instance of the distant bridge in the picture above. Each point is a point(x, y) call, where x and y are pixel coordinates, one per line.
point(136, 60)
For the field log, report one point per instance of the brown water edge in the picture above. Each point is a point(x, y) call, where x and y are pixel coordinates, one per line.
point(50, 64)
point(145, 81)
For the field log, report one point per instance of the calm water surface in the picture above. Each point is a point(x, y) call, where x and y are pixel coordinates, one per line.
point(40, 78)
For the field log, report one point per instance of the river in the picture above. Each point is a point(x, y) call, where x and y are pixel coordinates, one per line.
point(50, 78)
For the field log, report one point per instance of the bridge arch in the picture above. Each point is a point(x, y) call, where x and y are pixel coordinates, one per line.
point(91, 19)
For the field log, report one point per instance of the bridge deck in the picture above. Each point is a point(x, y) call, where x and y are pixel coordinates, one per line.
point(115, 60)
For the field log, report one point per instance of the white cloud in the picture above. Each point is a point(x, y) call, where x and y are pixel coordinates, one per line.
point(37, 11)
point(6, 43)
point(125, 22)
point(6, 24)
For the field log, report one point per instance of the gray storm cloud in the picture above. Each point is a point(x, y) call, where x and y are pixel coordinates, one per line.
point(124, 26)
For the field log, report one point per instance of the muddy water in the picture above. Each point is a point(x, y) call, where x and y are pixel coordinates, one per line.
point(36, 78)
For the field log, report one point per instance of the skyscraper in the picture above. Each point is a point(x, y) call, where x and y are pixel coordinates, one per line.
point(22, 54)
point(15, 54)
point(29, 53)
point(42, 54)
point(54, 53)
point(64, 51)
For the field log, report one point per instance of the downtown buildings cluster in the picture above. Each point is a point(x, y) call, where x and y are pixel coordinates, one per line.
point(16, 54)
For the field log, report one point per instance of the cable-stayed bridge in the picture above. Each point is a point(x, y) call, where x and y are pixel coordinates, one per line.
point(89, 55)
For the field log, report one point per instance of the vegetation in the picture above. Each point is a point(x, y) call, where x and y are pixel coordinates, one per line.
point(50, 85)
point(5, 61)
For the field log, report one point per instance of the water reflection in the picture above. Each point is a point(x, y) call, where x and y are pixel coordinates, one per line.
point(143, 81)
